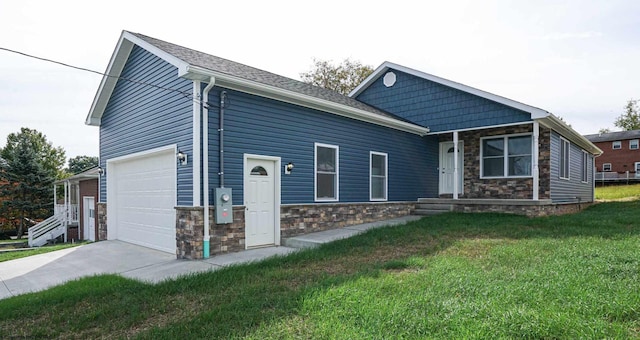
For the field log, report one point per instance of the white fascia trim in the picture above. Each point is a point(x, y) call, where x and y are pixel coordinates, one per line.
point(114, 69)
point(534, 111)
point(243, 85)
point(479, 128)
point(554, 123)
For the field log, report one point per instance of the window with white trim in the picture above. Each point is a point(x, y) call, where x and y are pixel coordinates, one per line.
point(633, 144)
point(326, 172)
point(506, 156)
point(565, 158)
point(617, 145)
point(606, 167)
point(585, 166)
point(377, 176)
point(637, 168)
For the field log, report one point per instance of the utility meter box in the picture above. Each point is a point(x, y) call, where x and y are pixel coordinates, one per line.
point(224, 206)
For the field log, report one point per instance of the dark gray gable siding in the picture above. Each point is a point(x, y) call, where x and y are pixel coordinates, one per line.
point(439, 107)
point(262, 126)
point(140, 117)
point(563, 190)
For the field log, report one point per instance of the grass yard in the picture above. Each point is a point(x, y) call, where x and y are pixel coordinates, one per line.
point(12, 255)
point(618, 192)
point(451, 276)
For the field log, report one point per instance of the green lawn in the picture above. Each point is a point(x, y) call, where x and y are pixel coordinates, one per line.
point(12, 255)
point(618, 192)
point(453, 276)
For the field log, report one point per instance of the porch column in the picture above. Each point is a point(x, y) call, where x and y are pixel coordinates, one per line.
point(455, 165)
point(66, 202)
point(535, 171)
point(55, 198)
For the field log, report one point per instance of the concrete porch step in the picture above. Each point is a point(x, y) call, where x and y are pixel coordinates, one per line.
point(313, 240)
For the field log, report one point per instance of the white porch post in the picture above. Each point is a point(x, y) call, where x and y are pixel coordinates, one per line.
point(455, 165)
point(536, 156)
point(66, 202)
point(55, 198)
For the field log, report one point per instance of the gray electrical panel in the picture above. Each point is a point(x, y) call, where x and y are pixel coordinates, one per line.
point(224, 206)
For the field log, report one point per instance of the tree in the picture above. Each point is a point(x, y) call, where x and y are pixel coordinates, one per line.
point(31, 165)
point(51, 158)
point(342, 78)
point(79, 164)
point(630, 119)
point(604, 130)
point(26, 185)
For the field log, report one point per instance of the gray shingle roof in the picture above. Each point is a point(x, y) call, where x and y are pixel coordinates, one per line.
point(242, 71)
point(613, 136)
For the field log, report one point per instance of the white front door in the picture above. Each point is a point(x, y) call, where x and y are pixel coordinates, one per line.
point(447, 167)
point(89, 213)
point(261, 219)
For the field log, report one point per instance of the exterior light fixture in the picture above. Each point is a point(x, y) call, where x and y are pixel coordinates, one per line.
point(288, 168)
point(100, 171)
point(182, 157)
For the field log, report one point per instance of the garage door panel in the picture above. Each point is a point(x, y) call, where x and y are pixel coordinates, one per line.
point(145, 197)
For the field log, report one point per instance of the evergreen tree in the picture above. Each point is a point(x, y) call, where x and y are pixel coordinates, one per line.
point(26, 185)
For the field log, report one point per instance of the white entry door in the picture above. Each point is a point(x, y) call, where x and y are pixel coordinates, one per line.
point(89, 213)
point(447, 167)
point(261, 218)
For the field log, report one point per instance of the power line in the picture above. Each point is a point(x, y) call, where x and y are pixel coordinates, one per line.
point(186, 94)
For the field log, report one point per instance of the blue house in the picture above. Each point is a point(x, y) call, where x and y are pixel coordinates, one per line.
point(201, 155)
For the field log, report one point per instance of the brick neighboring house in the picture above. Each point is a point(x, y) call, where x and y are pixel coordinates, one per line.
point(621, 154)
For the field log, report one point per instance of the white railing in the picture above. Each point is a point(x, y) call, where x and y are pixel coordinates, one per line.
point(72, 213)
point(615, 176)
point(46, 230)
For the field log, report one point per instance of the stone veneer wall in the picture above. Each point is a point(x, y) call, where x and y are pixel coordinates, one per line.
point(527, 210)
point(308, 218)
point(503, 188)
point(102, 221)
point(294, 220)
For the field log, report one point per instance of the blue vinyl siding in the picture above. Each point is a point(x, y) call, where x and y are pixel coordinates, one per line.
point(256, 125)
point(140, 117)
point(439, 107)
point(563, 190)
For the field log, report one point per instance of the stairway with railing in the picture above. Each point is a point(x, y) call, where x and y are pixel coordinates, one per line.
point(47, 230)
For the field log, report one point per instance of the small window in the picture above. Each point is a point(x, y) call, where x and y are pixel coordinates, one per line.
point(326, 172)
point(259, 171)
point(633, 144)
point(585, 167)
point(616, 145)
point(378, 176)
point(565, 158)
point(637, 167)
point(606, 167)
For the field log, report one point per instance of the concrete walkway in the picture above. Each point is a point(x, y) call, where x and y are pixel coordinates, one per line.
point(39, 272)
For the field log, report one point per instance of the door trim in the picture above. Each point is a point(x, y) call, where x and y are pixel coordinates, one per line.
point(86, 229)
point(276, 192)
point(441, 154)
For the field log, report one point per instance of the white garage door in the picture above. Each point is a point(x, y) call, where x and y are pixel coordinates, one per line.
point(143, 197)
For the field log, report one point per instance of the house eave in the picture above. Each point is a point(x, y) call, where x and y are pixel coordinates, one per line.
point(554, 123)
point(382, 69)
point(243, 85)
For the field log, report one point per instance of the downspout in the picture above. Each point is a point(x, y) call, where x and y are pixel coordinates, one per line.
point(223, 96)
point(205, 164)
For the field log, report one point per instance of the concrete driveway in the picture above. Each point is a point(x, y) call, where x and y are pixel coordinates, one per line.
point(39, 272)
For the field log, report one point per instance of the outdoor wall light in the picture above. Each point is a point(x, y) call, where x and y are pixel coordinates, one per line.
point(182, 157)
point(100, 171)
point(288, 168)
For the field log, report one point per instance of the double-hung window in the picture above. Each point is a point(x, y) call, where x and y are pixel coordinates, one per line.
point(565, 158)
point(326, 172)
point(506, 156)
point(378, 176)
point(633, 144)
point(606, 167)
point(617, 145)
point(585, 166)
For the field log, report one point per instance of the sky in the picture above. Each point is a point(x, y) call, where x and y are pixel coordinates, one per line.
point(576, 59)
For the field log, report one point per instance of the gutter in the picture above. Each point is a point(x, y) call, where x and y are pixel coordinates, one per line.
point(205, 164)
